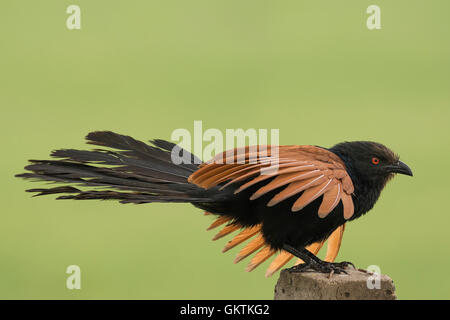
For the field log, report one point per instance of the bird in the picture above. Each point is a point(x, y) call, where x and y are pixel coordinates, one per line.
point(286, 200)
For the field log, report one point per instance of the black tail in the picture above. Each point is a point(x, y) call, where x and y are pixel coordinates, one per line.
point(136, 172)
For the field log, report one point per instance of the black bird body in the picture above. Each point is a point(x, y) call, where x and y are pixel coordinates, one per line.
point(350, 177)
point(280, 225)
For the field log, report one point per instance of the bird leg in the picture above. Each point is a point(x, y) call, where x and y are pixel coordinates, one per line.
point(311, 262)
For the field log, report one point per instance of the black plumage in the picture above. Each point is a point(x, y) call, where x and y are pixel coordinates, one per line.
point(333, 185)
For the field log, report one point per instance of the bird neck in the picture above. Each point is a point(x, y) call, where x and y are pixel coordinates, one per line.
point(366, 191)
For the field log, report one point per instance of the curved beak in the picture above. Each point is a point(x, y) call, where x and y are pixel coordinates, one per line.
point(401, 168)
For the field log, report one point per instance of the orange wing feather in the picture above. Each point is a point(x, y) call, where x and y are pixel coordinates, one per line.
point(334, 243)
point(229, 228)
point(283, 257)
point(219, 221)
point(306, 172)
point(254, 245)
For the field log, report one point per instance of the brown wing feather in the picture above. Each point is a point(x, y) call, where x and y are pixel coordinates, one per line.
point(310, 195)
point(306, 171)
point(216, 173)
point(348, 205)
point(232, 173)
point(283, 179)
point(295, 188)
point(330, 200)
point(267, 176)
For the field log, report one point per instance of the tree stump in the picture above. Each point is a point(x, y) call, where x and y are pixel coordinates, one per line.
point(356, 285)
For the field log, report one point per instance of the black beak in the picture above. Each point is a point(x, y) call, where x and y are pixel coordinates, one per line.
point(401, 168)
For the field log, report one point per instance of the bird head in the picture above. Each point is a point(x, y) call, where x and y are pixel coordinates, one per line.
point(371, 160)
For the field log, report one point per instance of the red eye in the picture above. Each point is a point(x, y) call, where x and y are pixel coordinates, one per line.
point(375, 160)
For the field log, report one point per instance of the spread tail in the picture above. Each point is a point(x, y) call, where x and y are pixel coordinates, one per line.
point(134, 172)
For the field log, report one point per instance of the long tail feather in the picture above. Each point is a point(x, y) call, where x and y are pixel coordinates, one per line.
point(134, 172)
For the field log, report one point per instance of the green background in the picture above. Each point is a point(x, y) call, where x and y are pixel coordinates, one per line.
point(144, 68)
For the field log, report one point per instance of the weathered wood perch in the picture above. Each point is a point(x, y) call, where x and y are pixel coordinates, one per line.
point(319, 286)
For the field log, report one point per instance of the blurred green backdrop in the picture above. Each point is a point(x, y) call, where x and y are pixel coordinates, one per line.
point(145, 68)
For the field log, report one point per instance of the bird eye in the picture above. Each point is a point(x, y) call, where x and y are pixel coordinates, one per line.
point(375, 160)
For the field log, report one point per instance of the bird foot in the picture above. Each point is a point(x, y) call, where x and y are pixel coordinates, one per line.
point(323, 267)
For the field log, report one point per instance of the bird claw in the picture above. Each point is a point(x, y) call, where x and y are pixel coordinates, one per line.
point(346, 264)
point(324, 267)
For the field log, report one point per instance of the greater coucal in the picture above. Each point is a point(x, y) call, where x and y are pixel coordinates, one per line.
point(293, 209)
